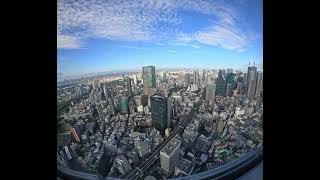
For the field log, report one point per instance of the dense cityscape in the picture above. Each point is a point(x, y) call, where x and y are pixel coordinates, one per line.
point(159, 124)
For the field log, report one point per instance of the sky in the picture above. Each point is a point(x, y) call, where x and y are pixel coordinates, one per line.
point(105, 35)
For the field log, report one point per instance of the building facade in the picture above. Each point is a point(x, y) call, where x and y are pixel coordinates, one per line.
point(159, 112)
point(221, 84)
point(169, 155)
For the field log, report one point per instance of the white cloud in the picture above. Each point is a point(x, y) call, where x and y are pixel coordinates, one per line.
point(222, 36)
point(69, 42)
point(145, 20)
point(195, 46)
point(172, 51)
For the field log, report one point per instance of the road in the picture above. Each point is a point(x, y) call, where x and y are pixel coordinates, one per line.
point(139, 171)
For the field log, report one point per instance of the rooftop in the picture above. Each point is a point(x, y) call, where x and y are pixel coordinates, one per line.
point(171, 146)
point(185, 165)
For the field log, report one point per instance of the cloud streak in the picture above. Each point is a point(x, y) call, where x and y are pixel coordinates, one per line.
point(145, 20)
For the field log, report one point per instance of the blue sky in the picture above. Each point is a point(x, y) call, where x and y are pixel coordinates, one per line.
point(103, 35)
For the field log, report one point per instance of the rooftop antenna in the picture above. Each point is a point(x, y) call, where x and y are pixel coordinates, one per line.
point(249, 63)
point(254, 63)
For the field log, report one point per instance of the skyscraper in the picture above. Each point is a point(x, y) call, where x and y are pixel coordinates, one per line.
point(259, 84)
point(196, 77)
point(163, 76)
point(228, 90)
point(229, 70)
point(129, 87)
point(231, 79)
point(210, 92)
point(186, 79)
point(135, 80)
point(159, 112)
point(221, 84)
point(149, 77)
point(169, 110)
point(251, 81)
point(123, 105)
point(239, 88)
point(169, 155)
point(204, 74)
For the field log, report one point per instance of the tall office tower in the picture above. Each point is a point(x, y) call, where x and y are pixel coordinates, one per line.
point(169, 155)
point(186, 79)
point(221, 84)
point(163, 76)
point(159, 112)
point(123, 105)
point(229, 70)
point(149, 77)
point(259, 83)
point(129, 87)
point(239, 88)
point(204, 74)
point(210, 92)
point(224, 72)
point(228, 90)
point(169, 110)
point(244, 83)
point(135, 80)
point(105, 90)
point(251, 81)
point(231, 79)
point(196, 77)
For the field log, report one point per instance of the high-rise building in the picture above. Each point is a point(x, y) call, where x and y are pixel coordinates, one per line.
point(186, 79)
point(149, 77)
point(251, 81)
point(204, 74)
point(239, 88)
point(228, 90)
point(221, 84)
point(169, 111)
point(244, 83)
point(159, 112)
point(123, 105)
point(105, 90)
point(224, 72)
point(259, 83)
point(163, 76)
point(135, 80)
point(169, 155)
point(232, 79)
point(196, 77)
point(210, 92)
point(129, 87)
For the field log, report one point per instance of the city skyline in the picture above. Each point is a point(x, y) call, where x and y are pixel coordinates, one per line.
point(100, 37)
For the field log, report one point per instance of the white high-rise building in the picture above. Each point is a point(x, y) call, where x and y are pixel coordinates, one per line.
point(259, 83)
point(251, 81)
point(169, 155)
point(135, 80)
point(210, 92)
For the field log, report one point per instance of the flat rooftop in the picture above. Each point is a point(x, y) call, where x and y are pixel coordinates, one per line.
point(171, 146)
point(185, 165)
